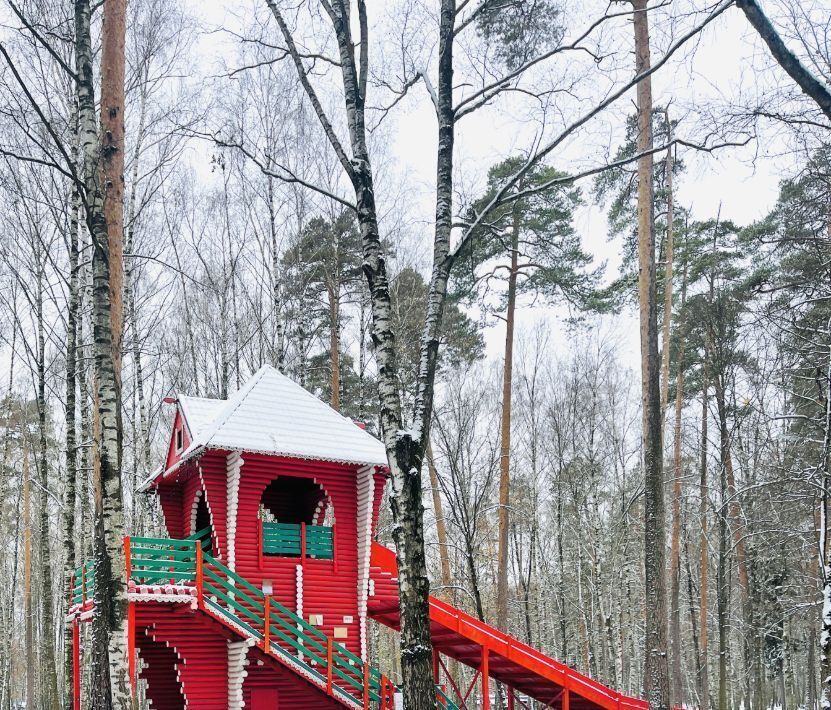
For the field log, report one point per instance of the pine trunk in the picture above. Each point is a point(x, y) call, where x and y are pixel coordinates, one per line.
point(441, 528)
point(675, 565)
point(656, 670)
point(505, 436)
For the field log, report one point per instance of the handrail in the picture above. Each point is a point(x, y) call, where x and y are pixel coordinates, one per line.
point(232, 599)
point(505, 645)
point(285, 635)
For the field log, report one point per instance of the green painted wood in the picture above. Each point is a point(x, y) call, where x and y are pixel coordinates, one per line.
point(228, 599)
point(164, 542)
point(235, 590)
point(163, 576)
point(152, 564)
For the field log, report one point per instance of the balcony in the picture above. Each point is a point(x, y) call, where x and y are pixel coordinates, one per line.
point(298, 540)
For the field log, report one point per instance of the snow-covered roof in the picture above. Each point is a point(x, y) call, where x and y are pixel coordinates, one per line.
point(271, 414)
point(199, 412)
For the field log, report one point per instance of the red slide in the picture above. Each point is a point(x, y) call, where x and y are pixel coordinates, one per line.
point(523, 670)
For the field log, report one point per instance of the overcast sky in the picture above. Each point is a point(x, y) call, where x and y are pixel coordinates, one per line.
point(721, 65)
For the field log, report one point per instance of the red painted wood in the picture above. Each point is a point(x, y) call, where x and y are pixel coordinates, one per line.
point(486, 686)
point(76, 665)
point(265, 699)
point(131, 642)
point(463, 637)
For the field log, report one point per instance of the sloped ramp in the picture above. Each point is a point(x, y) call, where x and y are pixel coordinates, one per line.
point(521, 668)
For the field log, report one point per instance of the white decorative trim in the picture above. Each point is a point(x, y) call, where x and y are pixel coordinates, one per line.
point(237, 657)
point(366, 500)
point(299, 602)
point(233, 466)
point(195, 505)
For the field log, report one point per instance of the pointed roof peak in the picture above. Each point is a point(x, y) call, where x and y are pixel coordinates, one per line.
point(272, 414)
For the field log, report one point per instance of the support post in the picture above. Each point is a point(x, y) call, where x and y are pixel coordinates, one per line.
point(76, 664)
point(329, 665)
point(436, 661)
point(200, 602)
point(131, 645)
point(303, 544)
point(486, 685)
point(260, 541)
point(266, 625)
point(366, 686)
point(566, 701)
point(128, 562)
point(511, 698)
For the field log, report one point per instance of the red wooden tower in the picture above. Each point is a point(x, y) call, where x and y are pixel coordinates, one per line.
point(260, 596)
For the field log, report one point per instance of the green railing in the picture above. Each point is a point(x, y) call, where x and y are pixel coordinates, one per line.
point(277, 630)
point(83, 582)
point(289, 637)
point(298, 540)
point(154, 560)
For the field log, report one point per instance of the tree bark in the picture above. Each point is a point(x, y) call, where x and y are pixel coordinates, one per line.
point(333, 289)
point(809, 84)
point(505, 435)
point(103, 166)
point(704, 551)
point(668, 267)
point(656, 671)
point(441, 527)
point(70, 558)
point(28, 610)
point(675, 564)
point(48, 671)
point(824, 561)
point(405, 445)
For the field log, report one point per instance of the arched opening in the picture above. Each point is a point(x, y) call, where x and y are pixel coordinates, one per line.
point(159, 672)
point(201, 526)
point(297, 519)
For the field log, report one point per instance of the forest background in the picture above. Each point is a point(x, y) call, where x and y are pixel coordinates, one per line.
point(236, 255)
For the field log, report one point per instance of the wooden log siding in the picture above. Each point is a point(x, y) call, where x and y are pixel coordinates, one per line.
point(293, 691)
point(329, 586)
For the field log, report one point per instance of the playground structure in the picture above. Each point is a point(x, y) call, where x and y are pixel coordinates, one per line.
point(261, 596)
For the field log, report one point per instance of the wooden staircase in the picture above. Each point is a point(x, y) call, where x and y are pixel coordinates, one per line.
point(189, 610)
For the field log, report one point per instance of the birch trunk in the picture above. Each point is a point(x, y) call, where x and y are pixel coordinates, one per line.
point(28, 606)
point(405, 445)
point(334, 342)
point(825, 563)
point(276, 283)
point(130, 294)
point(704, 552)
point(48, 671)
point(656, 671)
point(505, 436)
point(102, 158)
point(70, 558)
